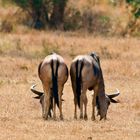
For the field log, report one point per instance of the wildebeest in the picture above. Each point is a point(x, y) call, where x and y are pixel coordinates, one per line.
point(86, 74)
point(53, 73)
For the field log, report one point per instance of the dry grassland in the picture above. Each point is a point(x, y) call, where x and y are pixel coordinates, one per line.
point(20, 114)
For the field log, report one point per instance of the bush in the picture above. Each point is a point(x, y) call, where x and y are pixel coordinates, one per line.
point(97, 22)
point(73, 19)
point(91, 21)
point(133, 26)
point(7, 26)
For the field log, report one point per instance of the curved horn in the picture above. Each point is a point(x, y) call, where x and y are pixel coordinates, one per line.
point(39, 93)
point(114, 94)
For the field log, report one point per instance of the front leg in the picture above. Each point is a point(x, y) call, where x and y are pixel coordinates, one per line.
point(46, 106)
point(94, 103)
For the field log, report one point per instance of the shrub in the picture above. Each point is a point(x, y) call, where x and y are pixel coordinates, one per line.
point(73, 19)
point(133, 25)
point(97, 22)
point(6, 26)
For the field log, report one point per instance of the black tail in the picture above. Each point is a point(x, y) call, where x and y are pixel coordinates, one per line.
point(79, 80)
point(55, 82)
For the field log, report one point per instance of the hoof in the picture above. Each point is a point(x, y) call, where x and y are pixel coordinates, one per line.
point(85, 118)
point(45, 117)
point(61, 118)
point(75, 117)
point(81, 116)
point(93, 118)
point(101, 118)
point(54, 117)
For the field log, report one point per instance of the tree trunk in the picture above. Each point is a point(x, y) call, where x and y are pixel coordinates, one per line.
point(57, 15)
point(41, 18)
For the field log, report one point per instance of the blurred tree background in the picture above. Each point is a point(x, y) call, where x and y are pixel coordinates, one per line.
point(43, 12)
point(104, 17)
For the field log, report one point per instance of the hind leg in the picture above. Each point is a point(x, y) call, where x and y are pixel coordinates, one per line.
point(75, 107)
point(54, 110)
point(46, 105)
point(46, 101)
point(81, 107)
point(60, 101)
point(85, 105)
point(75, 101)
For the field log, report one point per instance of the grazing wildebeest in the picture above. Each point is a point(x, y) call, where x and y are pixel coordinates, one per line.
point(53, 73)
point(86, 74)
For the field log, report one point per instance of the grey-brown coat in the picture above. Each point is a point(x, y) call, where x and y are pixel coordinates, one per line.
point(86, 74)
point(53, 73)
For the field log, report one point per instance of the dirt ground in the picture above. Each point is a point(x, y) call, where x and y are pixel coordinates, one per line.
point(20, 114)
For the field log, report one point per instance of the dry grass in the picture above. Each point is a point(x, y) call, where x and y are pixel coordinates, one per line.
point(20, 114)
